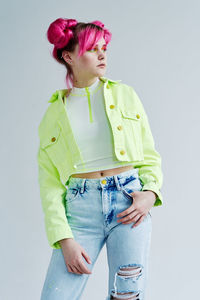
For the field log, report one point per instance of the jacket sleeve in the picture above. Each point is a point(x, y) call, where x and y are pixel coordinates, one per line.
point(52, 193)
point(150, 171)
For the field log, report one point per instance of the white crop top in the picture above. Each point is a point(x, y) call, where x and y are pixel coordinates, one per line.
point(91, 128)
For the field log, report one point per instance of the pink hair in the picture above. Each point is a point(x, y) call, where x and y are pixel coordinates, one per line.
point(65, 34)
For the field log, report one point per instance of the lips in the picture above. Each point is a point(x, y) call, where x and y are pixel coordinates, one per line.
point(101, 65)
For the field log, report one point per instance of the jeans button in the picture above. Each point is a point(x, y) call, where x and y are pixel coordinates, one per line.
point(103, 181)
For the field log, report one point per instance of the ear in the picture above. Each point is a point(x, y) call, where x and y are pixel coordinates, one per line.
point(66, 56)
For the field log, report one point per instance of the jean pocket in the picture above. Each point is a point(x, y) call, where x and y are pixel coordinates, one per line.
point(72, 194)
point(131, 186)
point(126, 194)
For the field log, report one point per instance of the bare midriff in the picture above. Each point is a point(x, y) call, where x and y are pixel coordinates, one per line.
point(103, 173)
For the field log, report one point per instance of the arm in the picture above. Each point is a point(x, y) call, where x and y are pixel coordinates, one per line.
point(52, 193)
point(150, 171)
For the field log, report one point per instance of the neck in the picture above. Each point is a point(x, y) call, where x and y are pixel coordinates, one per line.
point(81, 83)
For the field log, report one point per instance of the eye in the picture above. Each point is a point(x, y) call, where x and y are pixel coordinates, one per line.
point(91, 50)
point(94, 49)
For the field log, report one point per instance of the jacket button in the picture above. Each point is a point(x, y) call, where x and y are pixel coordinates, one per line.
point(53, 139)
point(122, 152)
point(138, 116)
point(107, 86)
point(119, 127)
point(112, 106)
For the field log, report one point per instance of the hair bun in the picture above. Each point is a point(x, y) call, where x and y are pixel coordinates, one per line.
point(59, 32)
point(98, 23)
point(69, 24)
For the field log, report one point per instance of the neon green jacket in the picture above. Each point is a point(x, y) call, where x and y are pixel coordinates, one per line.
point(133, 141)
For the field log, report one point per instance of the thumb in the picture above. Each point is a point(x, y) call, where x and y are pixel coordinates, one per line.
point(86, 256)
point(133, 194)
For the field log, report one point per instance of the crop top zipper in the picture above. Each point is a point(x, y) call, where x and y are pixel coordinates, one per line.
point(89, 104)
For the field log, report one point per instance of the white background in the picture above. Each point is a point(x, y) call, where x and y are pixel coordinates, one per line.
point(155, 49)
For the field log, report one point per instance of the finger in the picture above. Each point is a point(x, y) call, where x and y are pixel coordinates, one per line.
point(69, 268)
point(73, 269)
point(126, 212)
point(77, 270)
point(139, 221)
point(131, 218)
point(83, 268)
point(86, 256)
point(132, 194)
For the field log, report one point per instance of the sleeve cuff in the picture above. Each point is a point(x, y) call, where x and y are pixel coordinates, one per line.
point(59, 235)
point(154, 188)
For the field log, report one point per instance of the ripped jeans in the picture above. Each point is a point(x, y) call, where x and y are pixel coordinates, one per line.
point(92, 206)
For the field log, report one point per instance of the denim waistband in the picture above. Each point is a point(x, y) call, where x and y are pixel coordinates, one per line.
point(105, 181)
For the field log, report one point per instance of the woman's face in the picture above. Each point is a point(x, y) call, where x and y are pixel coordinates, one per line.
point(86, 66)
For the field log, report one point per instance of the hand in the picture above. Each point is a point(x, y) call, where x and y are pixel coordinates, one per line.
point(72, 253)
point(143, 201)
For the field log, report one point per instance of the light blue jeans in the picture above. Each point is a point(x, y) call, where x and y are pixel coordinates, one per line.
point(91, 209)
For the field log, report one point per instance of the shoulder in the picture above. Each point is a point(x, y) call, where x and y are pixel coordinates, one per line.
point(120, 85)
point(127, 92)
point(49, 118)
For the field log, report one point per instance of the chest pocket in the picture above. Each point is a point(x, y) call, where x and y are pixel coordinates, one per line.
point(56, 147)
point(52, 137)
point(127, 114)
point(53, 145)
point(132, 122)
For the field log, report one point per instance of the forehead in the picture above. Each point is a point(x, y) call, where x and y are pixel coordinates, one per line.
point(101, 42)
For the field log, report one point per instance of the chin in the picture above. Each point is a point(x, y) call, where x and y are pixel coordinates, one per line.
point(101, 72)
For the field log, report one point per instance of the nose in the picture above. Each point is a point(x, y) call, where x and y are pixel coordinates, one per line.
point(101, 53)
point(101, 59)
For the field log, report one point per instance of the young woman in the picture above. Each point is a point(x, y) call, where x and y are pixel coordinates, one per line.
point(99, 171)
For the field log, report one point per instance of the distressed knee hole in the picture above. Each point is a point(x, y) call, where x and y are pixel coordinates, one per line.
point(126, 282)
point(129, 271)
point(126, 296)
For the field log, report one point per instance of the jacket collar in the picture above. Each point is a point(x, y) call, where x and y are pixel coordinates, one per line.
point(63, 92)
point(106, 79)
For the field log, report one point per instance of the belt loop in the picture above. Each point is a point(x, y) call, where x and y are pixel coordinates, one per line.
point(117, 182)
point(82, 185)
